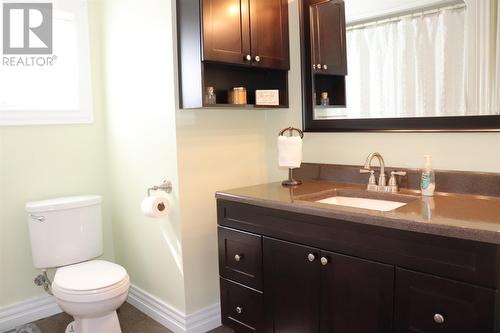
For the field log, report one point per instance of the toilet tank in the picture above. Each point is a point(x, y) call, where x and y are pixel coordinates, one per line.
point(65, 231)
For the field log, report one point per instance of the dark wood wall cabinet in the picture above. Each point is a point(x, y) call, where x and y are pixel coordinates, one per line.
point(324, 56)
point(232, 43)
point(287, 272)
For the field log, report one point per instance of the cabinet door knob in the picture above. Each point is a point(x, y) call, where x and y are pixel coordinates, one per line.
point(324, 261)
point(238, 257)
point(438, 318)
point(318, 66)
point(325, 67)
point(257, 58)
point(239, 310)
point(248, 57)
point(314, 66)
point(311, 257)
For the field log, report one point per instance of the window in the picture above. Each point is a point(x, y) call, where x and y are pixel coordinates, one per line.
point(46, 87)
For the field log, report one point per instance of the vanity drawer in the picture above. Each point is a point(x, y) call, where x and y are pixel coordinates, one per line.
point(242, 308)
point(240, 257)
point(429, 304)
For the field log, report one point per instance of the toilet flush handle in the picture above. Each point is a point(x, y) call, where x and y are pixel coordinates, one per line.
point(38, 218)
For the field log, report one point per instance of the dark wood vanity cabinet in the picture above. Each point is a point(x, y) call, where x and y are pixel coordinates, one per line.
point(308, 289)
point(246, 32)
point(309, 274)
point(328, 37)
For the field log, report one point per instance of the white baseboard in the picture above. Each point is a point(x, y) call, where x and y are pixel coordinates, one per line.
point(37, 308)
point(28, 311)
point(173, 319)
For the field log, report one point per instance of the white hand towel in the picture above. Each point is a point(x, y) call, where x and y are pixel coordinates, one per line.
point(289, 151)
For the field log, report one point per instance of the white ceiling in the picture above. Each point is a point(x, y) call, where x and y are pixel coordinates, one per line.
point(364, 9)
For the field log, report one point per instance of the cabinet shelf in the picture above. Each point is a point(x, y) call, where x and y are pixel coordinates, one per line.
point(332, 106)
point(243, 106)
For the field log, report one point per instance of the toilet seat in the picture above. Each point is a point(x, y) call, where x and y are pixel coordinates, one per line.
point(90, 281)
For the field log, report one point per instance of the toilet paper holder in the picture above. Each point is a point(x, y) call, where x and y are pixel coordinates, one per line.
point(166, 186)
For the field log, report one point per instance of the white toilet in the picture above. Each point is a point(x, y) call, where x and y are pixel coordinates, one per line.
point(66, 234)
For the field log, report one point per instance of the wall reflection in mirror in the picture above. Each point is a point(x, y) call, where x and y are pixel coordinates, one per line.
point(426, 58)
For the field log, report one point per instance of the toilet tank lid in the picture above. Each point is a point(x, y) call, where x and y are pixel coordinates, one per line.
point(62, 203)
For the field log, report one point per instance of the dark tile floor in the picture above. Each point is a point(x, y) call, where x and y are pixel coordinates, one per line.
point(131, 321)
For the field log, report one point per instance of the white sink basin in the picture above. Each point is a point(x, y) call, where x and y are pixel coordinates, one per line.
point(380, 205)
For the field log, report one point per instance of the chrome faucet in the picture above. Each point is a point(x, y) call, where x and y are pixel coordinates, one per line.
point(382, 182)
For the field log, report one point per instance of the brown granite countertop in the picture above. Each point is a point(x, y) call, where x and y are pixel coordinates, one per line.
point(463, 216)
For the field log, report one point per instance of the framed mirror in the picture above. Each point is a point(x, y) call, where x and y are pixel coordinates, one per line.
point(400, 65)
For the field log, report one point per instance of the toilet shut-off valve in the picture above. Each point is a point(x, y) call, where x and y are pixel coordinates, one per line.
point(43, 281)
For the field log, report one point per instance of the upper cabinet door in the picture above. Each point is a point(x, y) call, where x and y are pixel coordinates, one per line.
point(356, 295)
point(291, 288)
point(226, 31)
point(269, 33)
point(328, 37)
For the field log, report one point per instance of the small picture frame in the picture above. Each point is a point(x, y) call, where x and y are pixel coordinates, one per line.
point(267, 97)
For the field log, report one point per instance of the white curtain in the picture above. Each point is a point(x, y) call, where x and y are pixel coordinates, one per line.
point(483, 52)
point(411, 68)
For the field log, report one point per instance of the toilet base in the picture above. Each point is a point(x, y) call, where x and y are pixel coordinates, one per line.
point(70, 328)
point(105, 324)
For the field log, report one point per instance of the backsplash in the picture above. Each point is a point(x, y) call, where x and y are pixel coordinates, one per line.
point(477, 183)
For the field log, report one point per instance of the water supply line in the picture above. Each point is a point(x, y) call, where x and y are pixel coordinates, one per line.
point(43, 281)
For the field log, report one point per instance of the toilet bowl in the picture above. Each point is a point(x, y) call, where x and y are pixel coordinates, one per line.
point(91, 292)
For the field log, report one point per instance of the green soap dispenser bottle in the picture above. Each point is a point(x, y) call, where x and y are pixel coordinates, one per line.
point(428, 180)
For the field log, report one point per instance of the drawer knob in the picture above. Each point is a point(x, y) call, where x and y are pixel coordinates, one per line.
point(314, 66)
point(239, 310)
point(248, 57)
point(325, 67)
point(438, 318)
point(257, 59)
point(311, 257)
point(238, 257)
point(319, 66)
point(324, 261)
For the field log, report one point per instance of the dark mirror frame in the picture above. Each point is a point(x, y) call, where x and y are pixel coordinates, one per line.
point(417, 124)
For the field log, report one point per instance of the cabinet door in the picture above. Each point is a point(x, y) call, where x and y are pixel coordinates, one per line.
point(356, 295)
point(328, 37)
point(269, 33)
point(429, 304)
point(226, 31)
point(291, 287)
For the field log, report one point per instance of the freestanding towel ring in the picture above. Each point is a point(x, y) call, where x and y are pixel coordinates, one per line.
point(291, 181)
point(291, 130)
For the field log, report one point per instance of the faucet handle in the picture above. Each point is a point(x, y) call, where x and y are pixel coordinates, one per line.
point(372, 183)
point(393, 183)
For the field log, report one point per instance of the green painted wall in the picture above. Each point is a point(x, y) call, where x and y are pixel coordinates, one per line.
point(39, 162)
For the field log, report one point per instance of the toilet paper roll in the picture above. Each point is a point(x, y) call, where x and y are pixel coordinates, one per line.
point(155, 206)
